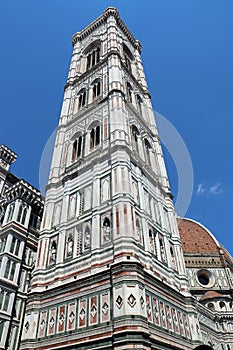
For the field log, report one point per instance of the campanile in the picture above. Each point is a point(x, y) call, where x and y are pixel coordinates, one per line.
point(110, 272)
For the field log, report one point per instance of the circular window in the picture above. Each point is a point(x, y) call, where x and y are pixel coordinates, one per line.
point(205, 278)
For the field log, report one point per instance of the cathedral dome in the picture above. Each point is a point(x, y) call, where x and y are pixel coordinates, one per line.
point(198, 241)
point(195, 238)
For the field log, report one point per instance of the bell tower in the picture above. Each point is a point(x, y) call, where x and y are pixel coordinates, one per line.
point(110, 271)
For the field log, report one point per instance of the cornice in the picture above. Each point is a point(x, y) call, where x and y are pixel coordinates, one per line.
point(109, 12)
point(7, 155)
point(28, 193)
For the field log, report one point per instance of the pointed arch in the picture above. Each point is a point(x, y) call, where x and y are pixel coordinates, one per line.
point(128, 57)
point(92, 53)
point(95, 134)
point(82, 98)
point(77, 147)
point(96, 88)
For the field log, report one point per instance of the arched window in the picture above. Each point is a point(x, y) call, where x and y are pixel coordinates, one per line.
point(22, 213)
point(96, 90)
point(139, 103)
point(128, 57)
point(10, 212)
point(77, 148)
point(15, 245)
point(93, 57)
point(95, 136)
point(82, 98)
point(135, 135)
point(148, 150)
point(129, 92)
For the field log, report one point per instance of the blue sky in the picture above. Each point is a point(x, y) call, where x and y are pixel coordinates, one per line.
point(187, 56)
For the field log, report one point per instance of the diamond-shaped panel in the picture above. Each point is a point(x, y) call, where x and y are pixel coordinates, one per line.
point(93, 310)
point(105, 308)
point(119, 301)
point(82, 313)
point(131, 300)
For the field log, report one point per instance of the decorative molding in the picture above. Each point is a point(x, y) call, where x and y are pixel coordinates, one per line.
point(109, 12)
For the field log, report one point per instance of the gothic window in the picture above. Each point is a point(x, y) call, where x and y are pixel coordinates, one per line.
point(93, 57)
point(147, 151)
point(15, 245)
point(34, 221)
point(129, 92)
point(22, 213)
point(128, 57)
point(135, 136)
point(139, 103)
point(127, 62)
point(77, 148)
point(82, 98)
point(10, 212)
point(95, 136)
point(10, 270)
point(96, 90)
point(106, 233)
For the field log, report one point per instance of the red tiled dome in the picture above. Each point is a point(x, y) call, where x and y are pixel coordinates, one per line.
point(195, 238)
